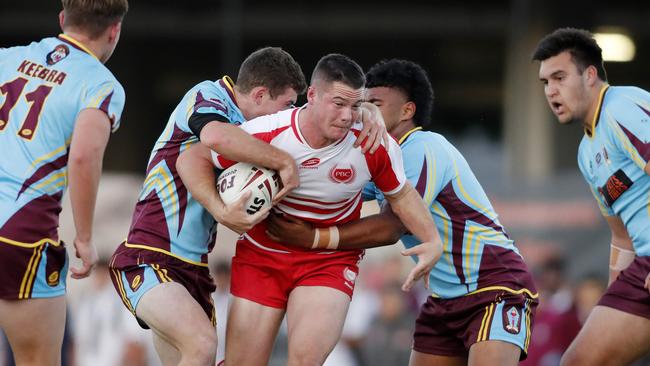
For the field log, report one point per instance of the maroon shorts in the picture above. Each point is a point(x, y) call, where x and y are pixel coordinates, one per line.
point(627, 293)
point(32, 271)
point(136, 271)
point(267, 277)
point(449, 327)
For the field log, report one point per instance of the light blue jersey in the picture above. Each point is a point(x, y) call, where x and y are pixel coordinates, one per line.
point(167, 219)
point(43, 87)
point(477, 253)
point(613, 159)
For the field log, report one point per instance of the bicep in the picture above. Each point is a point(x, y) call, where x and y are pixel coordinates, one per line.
point(91, 132)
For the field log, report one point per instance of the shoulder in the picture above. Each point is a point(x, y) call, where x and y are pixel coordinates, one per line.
point(276, 122)
point(625, 101)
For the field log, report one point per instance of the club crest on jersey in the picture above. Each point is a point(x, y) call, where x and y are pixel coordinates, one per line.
point(60, 52)
point(339, 174)
point(512, 320)
point(310, 163)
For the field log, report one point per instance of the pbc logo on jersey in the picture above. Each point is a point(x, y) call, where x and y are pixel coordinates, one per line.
point(512, 320)
point(310, 163)
point(342, 174)
point(59, 53)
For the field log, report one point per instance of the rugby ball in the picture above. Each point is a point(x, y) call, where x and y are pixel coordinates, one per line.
point(240, 178)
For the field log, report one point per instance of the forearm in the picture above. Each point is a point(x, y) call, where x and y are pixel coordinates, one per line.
point(371, 232)
point(83, 180)
point(198, 176)
point(228, 140)
point(621, 255)
point(414, 214)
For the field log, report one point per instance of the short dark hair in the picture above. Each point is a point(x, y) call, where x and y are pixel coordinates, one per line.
point(411, 79)
point(337, 67)
point(580, 43)
point(93, 16)
point(273, 68)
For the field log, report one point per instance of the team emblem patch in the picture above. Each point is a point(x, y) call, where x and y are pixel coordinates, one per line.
point(340, 174)
point(60, 52)
point(616, 185)
point(512, 320)
point(136, 283)
point(53, 278)
point(349, 274)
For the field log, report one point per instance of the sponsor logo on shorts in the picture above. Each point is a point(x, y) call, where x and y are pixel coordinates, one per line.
point(53, 278)
point(512, 320)
point(136, 283)
point(349, 275)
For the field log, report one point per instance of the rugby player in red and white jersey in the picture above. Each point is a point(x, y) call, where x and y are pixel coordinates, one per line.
point(313, 288)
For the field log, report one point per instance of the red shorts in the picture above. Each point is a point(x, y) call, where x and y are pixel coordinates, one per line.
point(267, 277)
point(628, 292)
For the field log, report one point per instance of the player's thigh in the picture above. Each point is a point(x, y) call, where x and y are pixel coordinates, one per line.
point(494, 353)
point(176, 316)
point(34, 328)
point(425, 359)
point(609, 337)
point(168, 354)
point(250, 332)
point(315, 318)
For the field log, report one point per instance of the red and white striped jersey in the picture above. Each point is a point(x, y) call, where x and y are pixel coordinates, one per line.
point(331, 178)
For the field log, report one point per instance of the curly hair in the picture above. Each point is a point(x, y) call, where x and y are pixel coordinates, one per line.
point(411, 79)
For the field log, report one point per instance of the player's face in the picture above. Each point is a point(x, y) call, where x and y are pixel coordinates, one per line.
point(565, 88)
point(390, 102)
point(281, 102)
point(336, 107)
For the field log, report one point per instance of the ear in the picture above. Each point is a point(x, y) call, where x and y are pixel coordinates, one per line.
point(114, 32)
point(408, 111)
point(591, 75)
point(311, 94)
point(61, 19)
point(257, 94)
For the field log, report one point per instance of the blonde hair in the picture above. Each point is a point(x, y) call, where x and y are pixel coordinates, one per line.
point(93, 16)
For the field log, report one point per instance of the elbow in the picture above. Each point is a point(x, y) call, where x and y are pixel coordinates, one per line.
point(83, 160)
point(393, 236)
point(216, 139)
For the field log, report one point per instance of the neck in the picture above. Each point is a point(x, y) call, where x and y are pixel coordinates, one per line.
point(402, 128)
point(94, 46)
point(594, 96)
point(246, 106)
point(309, 130)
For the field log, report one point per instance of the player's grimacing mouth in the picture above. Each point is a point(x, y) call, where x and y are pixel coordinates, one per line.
point(556, 107)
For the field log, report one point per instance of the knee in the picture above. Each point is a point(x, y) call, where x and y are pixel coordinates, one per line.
point(305, 358)
point(574, 357)
point(203, 349)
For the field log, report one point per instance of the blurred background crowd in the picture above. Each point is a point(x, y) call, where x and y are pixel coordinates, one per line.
point(489, 103)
